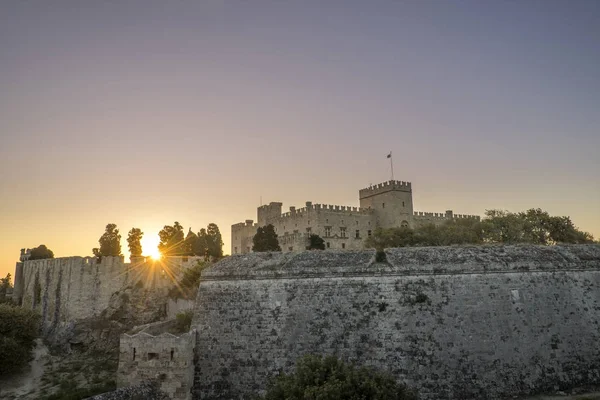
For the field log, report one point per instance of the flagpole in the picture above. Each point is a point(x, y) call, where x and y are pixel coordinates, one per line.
point(392, 165)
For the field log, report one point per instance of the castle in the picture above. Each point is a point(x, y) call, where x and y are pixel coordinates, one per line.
point(386, 205)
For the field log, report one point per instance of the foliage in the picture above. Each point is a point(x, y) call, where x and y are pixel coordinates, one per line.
point(134, 238)
point(328, 378)
point(532, 226)
point(316, 242)
point(171, 240)
point(209, 243)
point(214, 242)
point(110, 242)
point(380, 256)
point(265, 239)
point(183, 321)
point(188, 284)
point(18, 329)
point(188, 243)
point(41, 252)
point(5, 286)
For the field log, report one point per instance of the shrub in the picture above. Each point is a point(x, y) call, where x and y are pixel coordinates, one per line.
point(18, 329)
point(380, 256)
point(184, 321)
point(328, 378)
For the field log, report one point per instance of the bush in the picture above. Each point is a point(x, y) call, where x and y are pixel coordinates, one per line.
point(184, 321)
point(380, 256)
point(18, 329)
point(330, 379)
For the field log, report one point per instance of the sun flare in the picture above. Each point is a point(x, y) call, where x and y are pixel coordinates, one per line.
point(150, 247)
point(154, 254)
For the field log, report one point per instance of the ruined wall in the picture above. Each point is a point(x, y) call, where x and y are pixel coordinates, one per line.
point(165, 358)
point(69, 288)
point(63, 289)
point(454, 322)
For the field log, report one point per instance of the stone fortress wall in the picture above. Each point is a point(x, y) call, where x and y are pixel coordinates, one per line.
point(165, 358)
point(467, 322)
point(385, 205)
point(69, 288)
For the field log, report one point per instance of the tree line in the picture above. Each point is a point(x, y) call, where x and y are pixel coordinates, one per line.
point(533, 226)
point(207, 242)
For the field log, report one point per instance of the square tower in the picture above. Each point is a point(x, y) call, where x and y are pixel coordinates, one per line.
point(391, 202)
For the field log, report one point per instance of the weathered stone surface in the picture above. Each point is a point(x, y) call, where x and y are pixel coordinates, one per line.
point(143, 391)
point(454, 322)
point(165, 358)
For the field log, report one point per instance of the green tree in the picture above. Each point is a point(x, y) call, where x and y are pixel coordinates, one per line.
point(5, 286)
point(41, 252)
point(265, 239)
point(110, 242)
point(18, 329)
point(172, 240)
point(532, 226)
point(189, 242)
point(134, 238)
point(214, 242)
point(200, 247)
point(316, 242)
point(328, 378)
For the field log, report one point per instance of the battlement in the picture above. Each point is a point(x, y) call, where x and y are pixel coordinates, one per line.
point(240, 225)
point(105, 261)
point(384, 187)
point(141, 336)
point(271, 205)
point(448, 215)
point(330, 208)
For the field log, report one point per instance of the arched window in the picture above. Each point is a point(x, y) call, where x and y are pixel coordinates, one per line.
point(404, 224)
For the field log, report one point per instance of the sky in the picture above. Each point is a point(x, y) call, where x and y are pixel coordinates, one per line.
point(142, 113)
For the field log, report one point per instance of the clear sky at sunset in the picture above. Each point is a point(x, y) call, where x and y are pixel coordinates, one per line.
point(143, 113)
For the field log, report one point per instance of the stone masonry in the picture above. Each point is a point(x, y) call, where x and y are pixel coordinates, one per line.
point(454, 322)
point(385, 205)
point(165, 358)
point(71, 288)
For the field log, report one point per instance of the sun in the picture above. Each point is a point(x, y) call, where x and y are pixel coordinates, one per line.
point(150, 247)
point(154, 254)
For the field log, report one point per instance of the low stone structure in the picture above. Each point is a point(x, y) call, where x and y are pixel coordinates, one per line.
point(165, 358)
point(454, 322)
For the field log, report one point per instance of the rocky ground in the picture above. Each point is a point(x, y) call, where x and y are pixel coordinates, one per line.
point(81, 359)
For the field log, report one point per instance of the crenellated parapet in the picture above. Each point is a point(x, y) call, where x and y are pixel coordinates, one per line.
point(448, 215)
point(329, 208)
point(385, 187)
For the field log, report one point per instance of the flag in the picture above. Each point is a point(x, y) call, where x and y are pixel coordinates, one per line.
point(389, 155)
